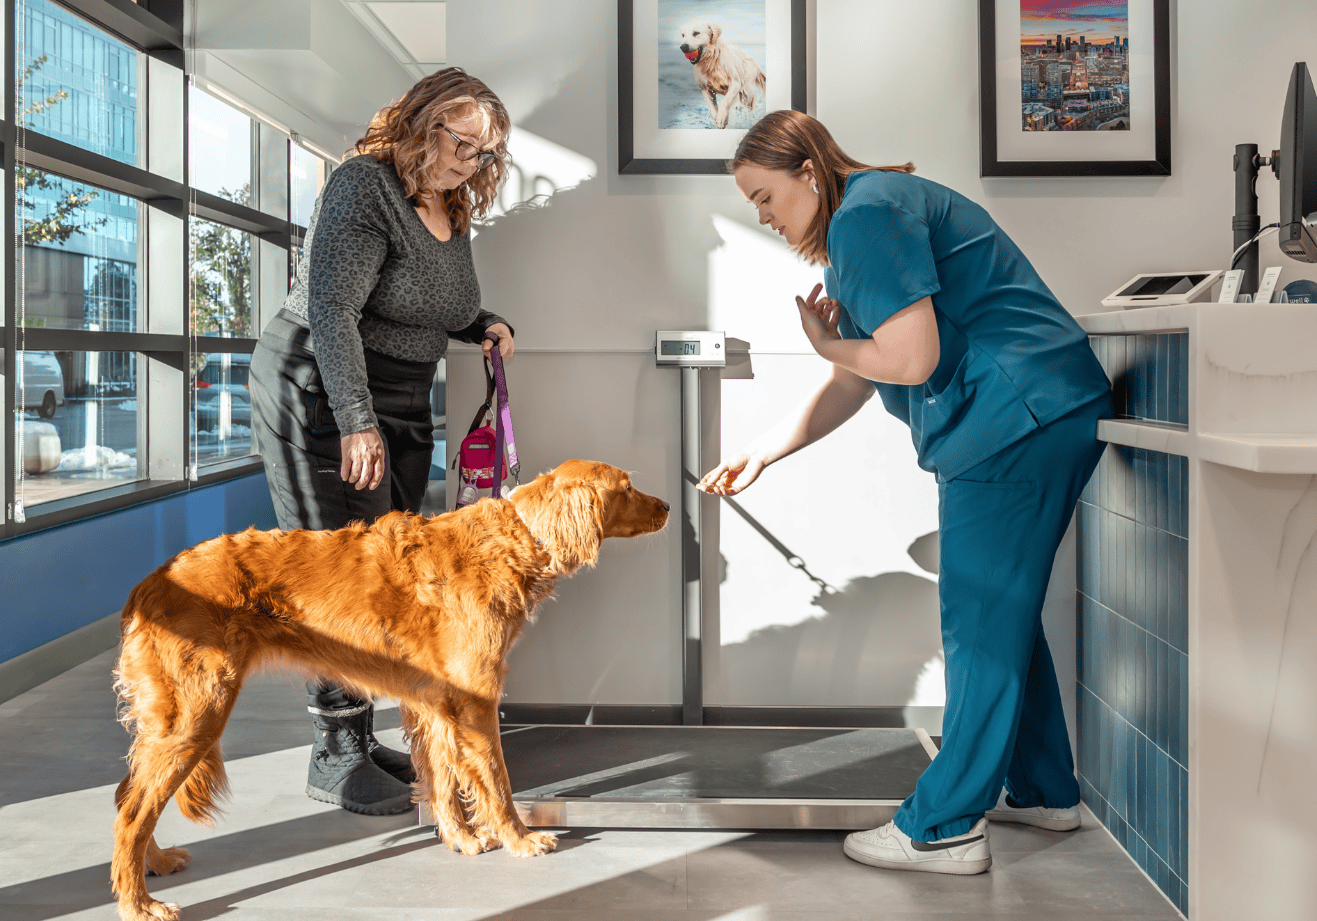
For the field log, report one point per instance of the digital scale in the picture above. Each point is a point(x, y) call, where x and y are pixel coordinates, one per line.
point(696, 775)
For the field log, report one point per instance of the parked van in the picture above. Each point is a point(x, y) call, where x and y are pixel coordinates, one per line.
point(43, 383)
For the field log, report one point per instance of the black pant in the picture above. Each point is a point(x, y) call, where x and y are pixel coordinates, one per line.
point(299, 441)
point(300, 444)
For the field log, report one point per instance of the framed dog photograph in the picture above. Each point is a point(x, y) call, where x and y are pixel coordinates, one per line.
point(1075, 87)
point(693, 75)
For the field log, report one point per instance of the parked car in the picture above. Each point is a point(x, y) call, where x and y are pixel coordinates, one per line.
point(43, 383)
point(223, 381)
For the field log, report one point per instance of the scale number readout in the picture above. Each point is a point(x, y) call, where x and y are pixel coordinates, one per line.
point(691, 348)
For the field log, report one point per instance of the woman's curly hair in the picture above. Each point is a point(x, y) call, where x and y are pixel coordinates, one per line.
point(410, 134)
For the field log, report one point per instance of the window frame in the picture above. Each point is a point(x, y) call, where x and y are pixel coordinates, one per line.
point(154, 29)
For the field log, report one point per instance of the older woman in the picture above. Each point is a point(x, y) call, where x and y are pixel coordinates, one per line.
point(341, 376)
point(933, 307)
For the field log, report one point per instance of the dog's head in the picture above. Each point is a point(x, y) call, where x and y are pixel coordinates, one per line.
point(572, 508)
point(696, 37)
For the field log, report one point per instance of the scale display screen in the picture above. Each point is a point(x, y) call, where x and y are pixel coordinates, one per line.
point(690, 348)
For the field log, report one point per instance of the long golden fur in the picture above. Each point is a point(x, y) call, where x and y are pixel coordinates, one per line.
point(421, 609)
point(721, 69)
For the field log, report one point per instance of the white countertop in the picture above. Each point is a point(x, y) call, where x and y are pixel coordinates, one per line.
point(1252, 384)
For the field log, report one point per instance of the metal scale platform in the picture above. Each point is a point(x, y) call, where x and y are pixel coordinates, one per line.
point(698, 776)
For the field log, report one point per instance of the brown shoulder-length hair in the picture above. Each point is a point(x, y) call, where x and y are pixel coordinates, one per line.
point(409, 134)
point(784, 140)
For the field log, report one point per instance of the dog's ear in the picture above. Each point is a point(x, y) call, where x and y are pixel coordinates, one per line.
point(714, 32)
point(565, 517)
point(580, 526)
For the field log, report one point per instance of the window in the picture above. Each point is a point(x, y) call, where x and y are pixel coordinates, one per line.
point(78, 255)
point(219, 148)
point(221, 407)
point(134, 292)
point(75, 83)
point(76, 423)
point(221, 287)
point(306, 177)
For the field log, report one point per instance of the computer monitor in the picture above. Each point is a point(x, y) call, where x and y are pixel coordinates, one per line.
point(1298, 167)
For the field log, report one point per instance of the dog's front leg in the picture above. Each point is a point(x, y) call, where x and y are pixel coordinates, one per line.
point(732, 95)
point(492, 810)
point(711, 98)
point(437, 756)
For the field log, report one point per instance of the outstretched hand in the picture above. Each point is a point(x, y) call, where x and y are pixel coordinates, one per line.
point(733, 475)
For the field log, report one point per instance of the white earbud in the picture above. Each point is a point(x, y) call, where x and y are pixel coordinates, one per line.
point(816, 188)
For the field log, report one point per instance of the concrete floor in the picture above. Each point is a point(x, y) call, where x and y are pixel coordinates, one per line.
point(277, 855)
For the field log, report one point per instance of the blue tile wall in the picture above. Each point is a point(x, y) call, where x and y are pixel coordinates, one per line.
point(1133, 705)
point(1149, 375)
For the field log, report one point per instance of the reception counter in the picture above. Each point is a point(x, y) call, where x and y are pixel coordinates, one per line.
point(1197, 579)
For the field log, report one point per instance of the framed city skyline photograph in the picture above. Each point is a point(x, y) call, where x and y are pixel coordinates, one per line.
point(1074, 87)
point(694, 75)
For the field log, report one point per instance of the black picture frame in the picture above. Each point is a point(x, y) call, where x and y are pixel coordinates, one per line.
point(627, 161)
point(992, 165)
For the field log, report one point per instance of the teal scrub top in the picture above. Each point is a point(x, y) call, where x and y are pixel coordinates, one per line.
point(1012, 358)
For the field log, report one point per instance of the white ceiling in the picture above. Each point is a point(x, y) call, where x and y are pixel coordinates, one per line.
point(318, 69)
point(414, 31)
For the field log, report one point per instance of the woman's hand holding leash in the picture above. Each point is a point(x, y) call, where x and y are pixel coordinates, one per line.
point(363, 459)
point(505, 347)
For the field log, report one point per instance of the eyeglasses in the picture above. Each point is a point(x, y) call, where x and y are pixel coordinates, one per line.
point(468, 151)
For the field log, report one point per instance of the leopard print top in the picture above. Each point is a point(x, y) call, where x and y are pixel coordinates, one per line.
point(375, 277)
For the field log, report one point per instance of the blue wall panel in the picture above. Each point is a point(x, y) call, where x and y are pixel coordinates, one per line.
point(1133, 522)
point(63, 578)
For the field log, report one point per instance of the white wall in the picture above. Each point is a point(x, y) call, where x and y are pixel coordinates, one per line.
point(606, 263)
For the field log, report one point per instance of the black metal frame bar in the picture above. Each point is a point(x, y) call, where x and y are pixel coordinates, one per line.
point(8, 333)
point(1159, 165)
point(155, 28)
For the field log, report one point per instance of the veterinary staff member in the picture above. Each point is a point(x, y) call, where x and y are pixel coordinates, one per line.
point(931, 304)
point(341, 376)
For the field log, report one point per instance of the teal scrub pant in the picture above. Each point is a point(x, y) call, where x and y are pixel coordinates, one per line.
point(1000, 525)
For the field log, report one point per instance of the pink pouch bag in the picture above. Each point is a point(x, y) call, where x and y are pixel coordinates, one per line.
point(480, 460)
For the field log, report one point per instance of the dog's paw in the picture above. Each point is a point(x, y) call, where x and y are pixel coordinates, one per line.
point(466, 843)
point(149, 910)
point(534, 844)
point(167, 860)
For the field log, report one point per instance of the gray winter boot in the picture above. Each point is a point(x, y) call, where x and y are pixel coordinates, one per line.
point(398, 764)
point(342, 770)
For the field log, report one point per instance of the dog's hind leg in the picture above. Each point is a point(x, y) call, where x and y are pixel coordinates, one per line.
point(159, 861)
point(162, 761)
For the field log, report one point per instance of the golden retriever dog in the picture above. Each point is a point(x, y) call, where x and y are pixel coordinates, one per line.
point(420, 609)
point(721, 69)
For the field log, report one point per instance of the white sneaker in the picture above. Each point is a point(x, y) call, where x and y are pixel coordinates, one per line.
point(893, 849)
point(1038, 816)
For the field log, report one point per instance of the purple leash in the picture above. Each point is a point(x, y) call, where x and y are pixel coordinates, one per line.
point(502, 419)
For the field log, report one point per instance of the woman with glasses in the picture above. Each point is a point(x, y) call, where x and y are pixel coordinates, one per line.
point(341, 376)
